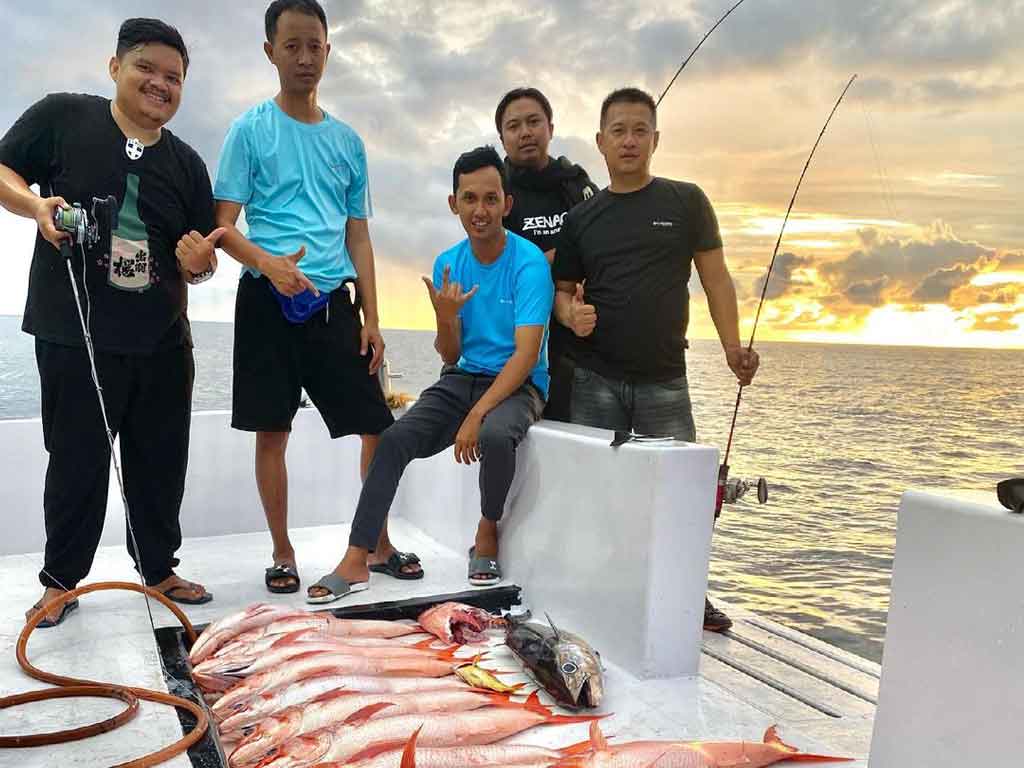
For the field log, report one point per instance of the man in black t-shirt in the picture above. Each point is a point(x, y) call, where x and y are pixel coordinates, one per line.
point(543, 190)
point(631, 246)
point(132, 284)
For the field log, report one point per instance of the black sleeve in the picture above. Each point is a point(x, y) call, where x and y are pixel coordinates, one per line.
point(201, 213)
point(568, 264)
point(29, 147)
point(514, 221)
point(708, 237)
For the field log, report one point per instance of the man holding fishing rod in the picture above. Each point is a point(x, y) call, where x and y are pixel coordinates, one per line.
point(621, 268)
point(141, 189)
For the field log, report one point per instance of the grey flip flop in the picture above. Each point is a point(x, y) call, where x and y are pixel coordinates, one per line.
point(483, 571)
point(336, 587)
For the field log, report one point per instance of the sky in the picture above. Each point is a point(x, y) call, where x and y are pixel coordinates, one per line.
point(908, 226)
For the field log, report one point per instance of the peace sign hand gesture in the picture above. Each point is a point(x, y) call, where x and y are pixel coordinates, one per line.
point(450, 299)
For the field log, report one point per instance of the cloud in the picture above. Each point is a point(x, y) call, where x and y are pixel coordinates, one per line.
point(868, 292)
point(782, 280)
point(998, 321)
point(937, 287)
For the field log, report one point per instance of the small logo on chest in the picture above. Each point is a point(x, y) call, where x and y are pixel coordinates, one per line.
point(663, 224)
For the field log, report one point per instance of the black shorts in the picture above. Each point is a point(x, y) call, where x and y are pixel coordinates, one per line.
point(274, 360)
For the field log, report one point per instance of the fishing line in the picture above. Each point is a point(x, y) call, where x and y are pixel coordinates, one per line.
point(883, 177)
point(90, 350)
point(694, 51)
point(723, 470)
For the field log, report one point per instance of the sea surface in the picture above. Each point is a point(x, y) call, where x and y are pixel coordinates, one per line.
point(838, 431)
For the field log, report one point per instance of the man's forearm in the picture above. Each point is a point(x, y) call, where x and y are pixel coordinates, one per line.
point(16, 195)
point(366, 280)
point(448, 342)
point(563, 307)
point(512, 376)
point(724, 311)
point(240, 248)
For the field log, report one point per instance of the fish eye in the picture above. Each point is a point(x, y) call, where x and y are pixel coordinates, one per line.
point(569, 668)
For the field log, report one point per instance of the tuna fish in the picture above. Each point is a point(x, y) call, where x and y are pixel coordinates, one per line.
point(458, 623)
point(563, 663)
point(691, 754)
point(335, 708)
point(356, 740)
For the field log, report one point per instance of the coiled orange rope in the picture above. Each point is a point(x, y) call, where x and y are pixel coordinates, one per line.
point(71, 687)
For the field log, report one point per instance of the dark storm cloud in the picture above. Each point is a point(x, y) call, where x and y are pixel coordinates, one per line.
point(937, 287)
point(782, 281)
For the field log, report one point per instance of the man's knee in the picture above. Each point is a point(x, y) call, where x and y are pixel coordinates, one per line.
point(271, 442)
point(495, 437)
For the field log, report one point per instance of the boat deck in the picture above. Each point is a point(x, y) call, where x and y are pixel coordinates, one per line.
point(759, 674)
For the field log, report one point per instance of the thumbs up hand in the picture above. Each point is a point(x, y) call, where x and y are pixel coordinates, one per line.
point(284, 273)
point(197, 254)
point(582, 316)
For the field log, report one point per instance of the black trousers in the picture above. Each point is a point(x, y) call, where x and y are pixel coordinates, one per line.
point(149, 401)
point(428, 428)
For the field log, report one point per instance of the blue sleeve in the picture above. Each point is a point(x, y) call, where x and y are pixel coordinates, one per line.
point(535, 293)
point(357, 196)
point(439, 264)
point(235, 170)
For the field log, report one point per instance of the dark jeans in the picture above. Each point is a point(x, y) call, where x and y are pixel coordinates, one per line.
point(149, 402)
point(658, 408)
point(430, 427)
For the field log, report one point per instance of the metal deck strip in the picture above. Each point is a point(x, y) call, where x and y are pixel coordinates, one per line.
point(771, 682)
point(817, 646)
point(805, 668)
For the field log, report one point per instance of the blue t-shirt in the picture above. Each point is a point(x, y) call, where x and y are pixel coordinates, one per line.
point(515, 290)
point(299, 184)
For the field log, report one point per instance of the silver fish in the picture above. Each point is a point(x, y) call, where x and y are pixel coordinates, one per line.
point(564, 664)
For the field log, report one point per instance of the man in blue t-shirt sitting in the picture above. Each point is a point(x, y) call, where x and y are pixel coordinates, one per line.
point(492, 295)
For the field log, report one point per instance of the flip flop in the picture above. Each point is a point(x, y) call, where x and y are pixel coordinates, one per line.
point(283, 571)
point(483, 571)
point(64, 611)
point(203, 600)
point(336, 587)
point(397, 561)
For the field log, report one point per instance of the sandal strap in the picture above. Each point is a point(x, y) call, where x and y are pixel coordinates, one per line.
point(282, 571)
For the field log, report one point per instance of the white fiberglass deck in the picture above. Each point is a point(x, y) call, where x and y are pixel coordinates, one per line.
point(109, 638)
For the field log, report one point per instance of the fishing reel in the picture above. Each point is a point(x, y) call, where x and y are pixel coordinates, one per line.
point(83, 227)
point(736, 488)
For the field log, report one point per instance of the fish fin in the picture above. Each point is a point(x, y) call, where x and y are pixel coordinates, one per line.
point(374, 751)
point(448, 654)
point(409, 753)
point(425, 644)
point(579, 748)
point(597, 738)
point(771, 736)
point(554, 629)
point(331, 695)
point(291, 637)
point(569, 719)
point(364, 714)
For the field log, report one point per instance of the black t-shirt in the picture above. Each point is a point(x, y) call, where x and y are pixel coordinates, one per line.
point(634, 253)
point(70, 145)
point(540, 201)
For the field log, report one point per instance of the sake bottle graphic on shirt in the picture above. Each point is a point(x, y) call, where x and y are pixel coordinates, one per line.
point(130, 262)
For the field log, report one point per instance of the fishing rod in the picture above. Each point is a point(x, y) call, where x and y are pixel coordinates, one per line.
point(723, 470)
point(694, 51)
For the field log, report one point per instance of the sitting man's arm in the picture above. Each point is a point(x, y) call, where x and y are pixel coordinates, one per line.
point(721, 293)
point(513, 375)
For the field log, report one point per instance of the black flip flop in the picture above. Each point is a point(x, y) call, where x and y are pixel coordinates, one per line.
point(207, 597)
point(397, 561)
point(64, 611)
point(283, 571)
point(483, 571)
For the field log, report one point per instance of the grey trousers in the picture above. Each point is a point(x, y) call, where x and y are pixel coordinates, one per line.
point(430, 427)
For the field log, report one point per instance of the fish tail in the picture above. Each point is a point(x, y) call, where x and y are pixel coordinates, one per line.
point(771, 736)
point(409, 753)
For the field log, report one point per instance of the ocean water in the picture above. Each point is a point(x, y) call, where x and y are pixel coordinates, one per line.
point(838, 431)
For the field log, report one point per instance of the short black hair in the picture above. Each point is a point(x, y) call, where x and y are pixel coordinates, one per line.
point(521, 93)
point(308, 7)
point(629, 96)
point(474, 160)
point(135, 33)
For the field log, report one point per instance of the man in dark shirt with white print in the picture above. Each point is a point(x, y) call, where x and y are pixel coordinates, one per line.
point(76, 147)
point(543, 190)
point(631, 247)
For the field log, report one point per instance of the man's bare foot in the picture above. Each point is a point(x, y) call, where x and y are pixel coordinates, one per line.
point(487, 538)
point(182, 591)
point(284, 557)
point(50, 593)
point(352, 568)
